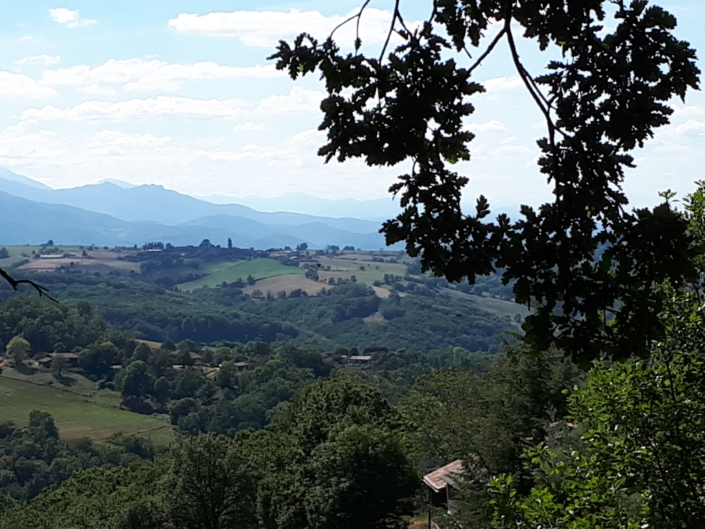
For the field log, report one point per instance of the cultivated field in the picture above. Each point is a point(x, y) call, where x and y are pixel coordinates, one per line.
point(80, 410)
point(287, 283)
point(101, 261)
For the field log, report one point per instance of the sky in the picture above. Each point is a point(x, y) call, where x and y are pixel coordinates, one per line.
point(180, 93)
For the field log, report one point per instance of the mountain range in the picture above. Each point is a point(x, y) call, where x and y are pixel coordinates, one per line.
point(110, 214)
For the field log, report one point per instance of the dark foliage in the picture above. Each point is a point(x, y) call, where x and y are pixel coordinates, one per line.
point(604, 98)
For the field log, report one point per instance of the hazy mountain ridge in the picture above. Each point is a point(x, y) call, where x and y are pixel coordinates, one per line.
point(108, 214)
point(155, 203)
point(378, 210)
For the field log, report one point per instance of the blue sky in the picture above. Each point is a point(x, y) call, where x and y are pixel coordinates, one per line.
point(179, 93)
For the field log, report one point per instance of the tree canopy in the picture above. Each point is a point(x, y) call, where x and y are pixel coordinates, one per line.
point(583, 261)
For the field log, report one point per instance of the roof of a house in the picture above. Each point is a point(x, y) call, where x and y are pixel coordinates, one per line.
point(361, 358)
point(440, 478)
point(151, 344)
point(70, 356)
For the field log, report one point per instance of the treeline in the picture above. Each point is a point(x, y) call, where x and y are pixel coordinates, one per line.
point(222, 389)
point(335, 318)
point(34, 458)
point(339, 456)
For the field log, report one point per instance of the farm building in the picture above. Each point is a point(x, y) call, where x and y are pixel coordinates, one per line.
point(440, 483)
point(359, 359)
point(71, 359)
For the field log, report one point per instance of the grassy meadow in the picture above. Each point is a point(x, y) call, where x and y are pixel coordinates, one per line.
point(79, 409)
point(228, 272)
point(362, 267)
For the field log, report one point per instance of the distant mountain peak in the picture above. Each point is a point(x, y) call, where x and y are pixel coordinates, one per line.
point(119, 183)
point(6, 174)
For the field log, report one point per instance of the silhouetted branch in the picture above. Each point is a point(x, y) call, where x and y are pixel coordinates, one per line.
point(14, 283)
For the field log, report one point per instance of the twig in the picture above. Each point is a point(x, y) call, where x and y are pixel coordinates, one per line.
point(401, 19)
point(358, 15)
point(357, 24)
point(14, 283)
point(434, 11)
point(391, 30)
point(487, 51)
point(524, 75)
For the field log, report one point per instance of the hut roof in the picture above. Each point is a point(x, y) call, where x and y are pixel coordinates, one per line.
point(440, 478)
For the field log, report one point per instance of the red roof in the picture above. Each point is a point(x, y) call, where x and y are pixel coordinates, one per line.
point(439, 479)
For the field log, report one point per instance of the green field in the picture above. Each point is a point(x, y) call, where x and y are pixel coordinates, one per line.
point(228, 272)
point(500, 307)
point(365, 271)
point(79, 410)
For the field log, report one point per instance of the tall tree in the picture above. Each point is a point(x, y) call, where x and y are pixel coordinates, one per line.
point(335, 460)
point(136, 380)
point(58, 364)
point(212, 484)
point(575, 259)
point(638, 457)
point(17, 349)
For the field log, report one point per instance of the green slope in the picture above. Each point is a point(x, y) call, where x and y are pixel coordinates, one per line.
point(77, 415)
point(257, 268)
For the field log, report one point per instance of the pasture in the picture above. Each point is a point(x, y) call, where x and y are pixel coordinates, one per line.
point(500, 307)
point(228, 272)
point(79, 410)
point(362, 267)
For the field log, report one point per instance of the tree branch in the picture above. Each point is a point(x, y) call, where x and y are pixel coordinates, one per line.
point(391, 30)
point(487, 51)
point(529, 82)
point(358, 16)
point(14, 283)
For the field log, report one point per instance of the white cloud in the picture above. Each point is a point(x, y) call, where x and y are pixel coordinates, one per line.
point(309, 140)
point(40, 60)
point(138, 75)
point(118, 143)
point(502, 84)
point(16, 146)
point(510, 150)
point(490, 126)
point(97, 90)
point(69, 18)
point(161, 106)
point(15, 85)
point(297, 101)
point(691, 128)
point(266, 28)
point(688, 112)
point(247, 127)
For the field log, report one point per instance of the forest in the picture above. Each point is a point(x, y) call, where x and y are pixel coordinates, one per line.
point(335, 318)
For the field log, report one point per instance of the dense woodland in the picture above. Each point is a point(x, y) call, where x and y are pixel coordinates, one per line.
point(431, 319)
